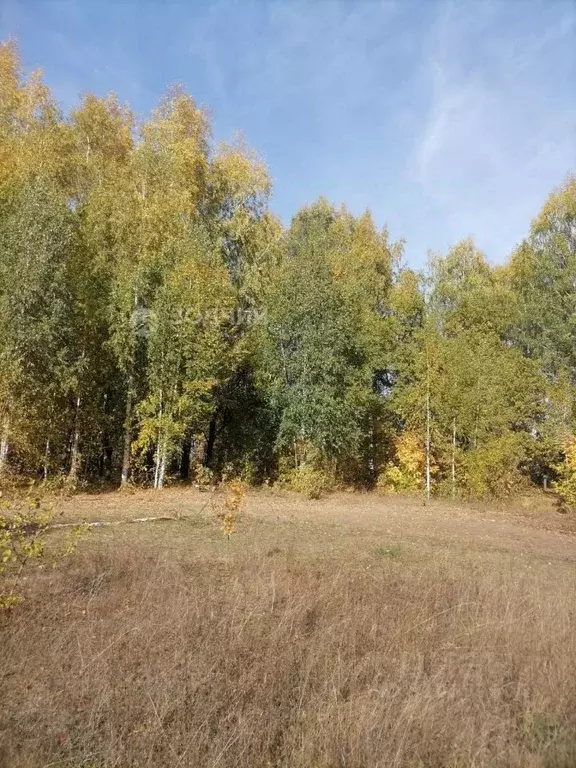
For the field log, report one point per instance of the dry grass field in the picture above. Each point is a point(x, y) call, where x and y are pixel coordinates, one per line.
point(356, 631)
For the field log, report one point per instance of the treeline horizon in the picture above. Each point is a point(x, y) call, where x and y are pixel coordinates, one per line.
point(157, 321)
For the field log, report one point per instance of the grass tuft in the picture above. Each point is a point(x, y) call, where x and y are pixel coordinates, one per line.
point(393, 551)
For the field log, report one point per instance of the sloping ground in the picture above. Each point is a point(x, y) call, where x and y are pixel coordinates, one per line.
point(355, 632)
point(530, 525)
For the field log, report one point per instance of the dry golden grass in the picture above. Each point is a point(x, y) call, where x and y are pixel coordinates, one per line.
point(296, 645)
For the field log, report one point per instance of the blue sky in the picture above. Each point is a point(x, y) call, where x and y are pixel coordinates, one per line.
point(445, 118)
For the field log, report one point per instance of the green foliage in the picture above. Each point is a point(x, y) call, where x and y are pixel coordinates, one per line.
point(37, 238)
point(25, 515)
point(407, 471)
point(245, 427)
point(492, 470)
point(312, 356)
point(467, 293)
point(462, 381)
point(312, 483)
point(542, 273)
point(565, 486)
point(23, 522)
point(157, 320)
point(308, 357)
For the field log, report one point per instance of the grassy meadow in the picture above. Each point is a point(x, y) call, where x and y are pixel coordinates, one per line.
point(357, 631)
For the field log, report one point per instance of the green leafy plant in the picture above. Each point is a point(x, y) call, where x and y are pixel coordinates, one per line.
point(309, 481)
point(24, 519)
point(23, 522)
point(566, 484)
point(407, 471)
point(492, 470)
point(203, 477)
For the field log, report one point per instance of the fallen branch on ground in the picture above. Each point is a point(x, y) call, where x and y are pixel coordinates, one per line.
point(98, 523)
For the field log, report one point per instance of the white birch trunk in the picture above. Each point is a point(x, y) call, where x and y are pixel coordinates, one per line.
point(46, 467)
point(454, 458)
point(127, 438)
point(4, 444)
point(162, 467)
point(160, 449)
point(428, 484)
point(75, 451)
point(157, 462)
point(160, 464)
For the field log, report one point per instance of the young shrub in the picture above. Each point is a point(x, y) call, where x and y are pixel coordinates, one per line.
point(250, 472)
point(229, 508)
point(493, 469)
point(203, 477)
point(408, 470)
point(309, 481)
point(23, 521)
point(565, 486)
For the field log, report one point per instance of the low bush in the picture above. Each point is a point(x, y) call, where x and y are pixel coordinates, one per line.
point(407, 472)
point(565, 486)
point(311, 482)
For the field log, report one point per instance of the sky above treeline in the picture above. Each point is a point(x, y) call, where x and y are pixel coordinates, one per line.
point(446, 118)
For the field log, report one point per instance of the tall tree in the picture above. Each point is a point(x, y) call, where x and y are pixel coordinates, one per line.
point(312, 359)
point(38, 242)
point(542, 272)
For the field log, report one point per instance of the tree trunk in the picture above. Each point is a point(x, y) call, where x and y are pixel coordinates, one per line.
point(109, 463)
point(427, 431)
point(4, 444)
point(162, 468)
point(127, 437)
point(198, 452)
point(75, 452)
point(158, 462)
point(185, 459)
point(372, 461)
point(209, 452)
point(159, 444)
point(46, 467)
point(454, 458)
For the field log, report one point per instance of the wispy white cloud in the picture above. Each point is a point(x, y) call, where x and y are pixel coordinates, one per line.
point(315, 84)
point(501, 125)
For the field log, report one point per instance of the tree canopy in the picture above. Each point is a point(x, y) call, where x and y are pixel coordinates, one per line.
point(157, 321)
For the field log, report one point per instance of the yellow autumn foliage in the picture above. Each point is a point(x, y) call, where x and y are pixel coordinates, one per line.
point(491, 471)
point(408, 470)
point(25, 516)
point(566, 484)
point(309, 481)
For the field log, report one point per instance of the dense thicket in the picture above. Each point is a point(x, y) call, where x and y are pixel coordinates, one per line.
point(157, 321)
